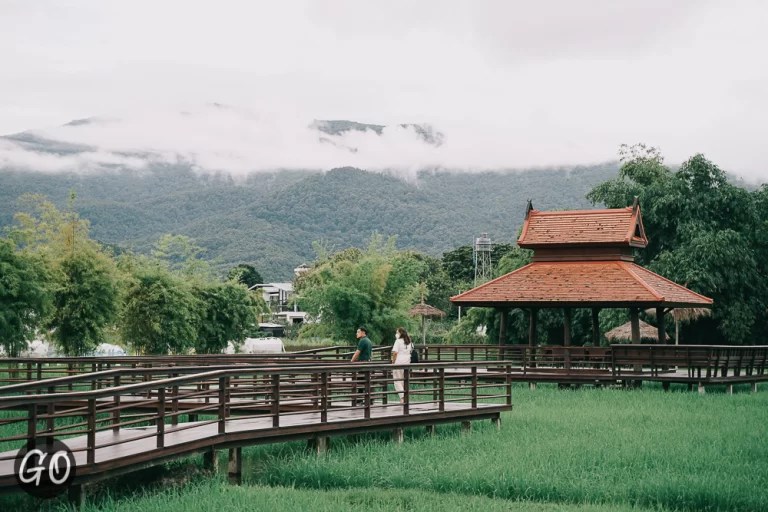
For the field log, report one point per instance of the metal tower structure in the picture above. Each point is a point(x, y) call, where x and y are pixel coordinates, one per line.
point(481, 255)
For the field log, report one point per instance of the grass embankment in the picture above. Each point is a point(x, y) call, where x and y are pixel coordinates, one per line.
point(561, 450)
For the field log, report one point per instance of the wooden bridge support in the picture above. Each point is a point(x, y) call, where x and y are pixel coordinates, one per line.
point(211, 459)
point(319, 444)
point(497, 422)
point(76, 496)
point(397, 435)
point(235, 466)
point(466, 427)
point(754, 387)
point(431, 430)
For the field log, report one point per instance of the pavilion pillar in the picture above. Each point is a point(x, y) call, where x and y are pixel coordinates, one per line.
point(634, 319)
point(662, 327)
point(567, 327)
point(532, 327)
point(567, 337)
point(532, 337)
point(503, 326)
point(596, 327)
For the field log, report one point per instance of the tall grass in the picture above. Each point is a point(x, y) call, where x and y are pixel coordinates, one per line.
point(605, 449)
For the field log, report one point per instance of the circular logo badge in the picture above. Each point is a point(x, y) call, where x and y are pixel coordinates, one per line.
point(46, 470)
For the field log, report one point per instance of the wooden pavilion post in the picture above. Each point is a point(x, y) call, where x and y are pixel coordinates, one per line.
point(596, 327)
point(503, 326)
point(661, 326)
point(634, 318)
point(567, 337)
point(532, 327)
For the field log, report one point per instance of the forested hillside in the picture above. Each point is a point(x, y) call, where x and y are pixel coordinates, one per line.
point(271, 220)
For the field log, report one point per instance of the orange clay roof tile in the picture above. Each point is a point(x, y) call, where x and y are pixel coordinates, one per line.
point(581, 227)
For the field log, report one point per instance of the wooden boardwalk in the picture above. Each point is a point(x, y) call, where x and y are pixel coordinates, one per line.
point(131, 448)
point(123, 428)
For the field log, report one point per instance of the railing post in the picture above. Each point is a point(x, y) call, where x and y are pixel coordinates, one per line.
point(32, 427)
point(116, 412)
point(474, 387)
point(175, 402)
point(93, 381)
point(223, 381)
point(50, 423)
point(509, 385)
point(385, 387)
point(276, 400)
point(161, 417)
point(434, 385)
point(69, 374)
point(367, 402)
point(406, 390)
point(324, 397)
point(442, 389)
point(91, 436)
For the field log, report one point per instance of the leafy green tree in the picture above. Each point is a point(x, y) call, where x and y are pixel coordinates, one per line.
point(25, 297)
point(160, 313)
point(86, 280)
point(182, 255)
point(85, 301)
point(703, 232)
point(229, 313)
point(245, 274)
point(375, 288)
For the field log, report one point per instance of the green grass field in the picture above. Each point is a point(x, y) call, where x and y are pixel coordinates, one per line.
point(559, 450)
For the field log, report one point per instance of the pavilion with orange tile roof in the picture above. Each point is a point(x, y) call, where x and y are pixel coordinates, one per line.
point(582, 259)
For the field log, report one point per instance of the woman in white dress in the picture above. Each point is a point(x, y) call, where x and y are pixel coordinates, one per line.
point(401, 355)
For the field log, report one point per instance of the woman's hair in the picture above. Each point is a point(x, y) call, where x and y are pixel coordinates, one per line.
point(404, 336)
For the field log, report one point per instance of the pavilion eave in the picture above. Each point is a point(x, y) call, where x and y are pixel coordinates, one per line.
point(576, 304)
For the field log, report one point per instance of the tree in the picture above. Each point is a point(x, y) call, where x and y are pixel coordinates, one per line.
point(703, 232)
point(25, 297)
point(374, 288)
point(182, 255)
point(160, 313)
point(229, 312)
point(85, 301)
point(245, 274)
point(86, 280)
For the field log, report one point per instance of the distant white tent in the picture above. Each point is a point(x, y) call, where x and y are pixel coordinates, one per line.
point(107, 349)
point(258, 346)
point(38, 348)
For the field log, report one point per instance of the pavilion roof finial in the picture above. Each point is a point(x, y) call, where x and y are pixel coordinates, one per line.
point(528, 209)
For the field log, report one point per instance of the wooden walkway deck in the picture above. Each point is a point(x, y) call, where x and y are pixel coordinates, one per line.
point(122, 428)
point(131, 448)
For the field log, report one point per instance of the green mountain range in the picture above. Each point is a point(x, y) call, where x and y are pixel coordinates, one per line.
point(271, 219)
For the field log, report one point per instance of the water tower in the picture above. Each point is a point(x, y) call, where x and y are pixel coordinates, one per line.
point(481, 255)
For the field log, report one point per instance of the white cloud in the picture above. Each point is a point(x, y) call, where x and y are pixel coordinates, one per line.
point(511, 84)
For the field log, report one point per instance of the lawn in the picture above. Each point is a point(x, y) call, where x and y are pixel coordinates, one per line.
point(559, 450)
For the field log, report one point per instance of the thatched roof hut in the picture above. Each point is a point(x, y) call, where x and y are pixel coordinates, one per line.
point(624, 333)
point(424, 311)
point(684, 314)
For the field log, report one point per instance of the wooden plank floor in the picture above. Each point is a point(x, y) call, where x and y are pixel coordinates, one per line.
point(183, 434)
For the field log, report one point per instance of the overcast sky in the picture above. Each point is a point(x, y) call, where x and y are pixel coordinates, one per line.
point(511, 84)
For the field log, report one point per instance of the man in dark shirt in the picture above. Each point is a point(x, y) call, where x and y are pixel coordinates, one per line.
point(364, 346)
point(363, 353)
